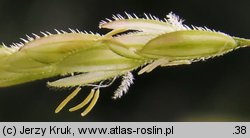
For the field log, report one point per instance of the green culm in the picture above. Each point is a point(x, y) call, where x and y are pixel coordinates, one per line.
point(92, 60)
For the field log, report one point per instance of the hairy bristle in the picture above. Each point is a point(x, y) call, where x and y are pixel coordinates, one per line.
point(117, 17)
point(175, 21)
point(127, 80)
point(29, 38)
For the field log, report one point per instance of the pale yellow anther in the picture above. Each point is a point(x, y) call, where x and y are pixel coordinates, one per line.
point(114, 32)
point(66, 100)
point(92, 103)
point(82, 104)
point(153, 65)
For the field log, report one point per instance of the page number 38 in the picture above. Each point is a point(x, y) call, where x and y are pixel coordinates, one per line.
point(240, 130)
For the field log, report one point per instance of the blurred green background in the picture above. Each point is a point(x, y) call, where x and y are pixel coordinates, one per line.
point(215, 90)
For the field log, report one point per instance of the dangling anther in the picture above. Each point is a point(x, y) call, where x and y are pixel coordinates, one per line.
point(85, 102)
point(66, 100)
point(92, 103)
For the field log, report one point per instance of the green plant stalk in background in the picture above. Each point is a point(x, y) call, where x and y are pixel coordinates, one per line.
point(88, 59)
